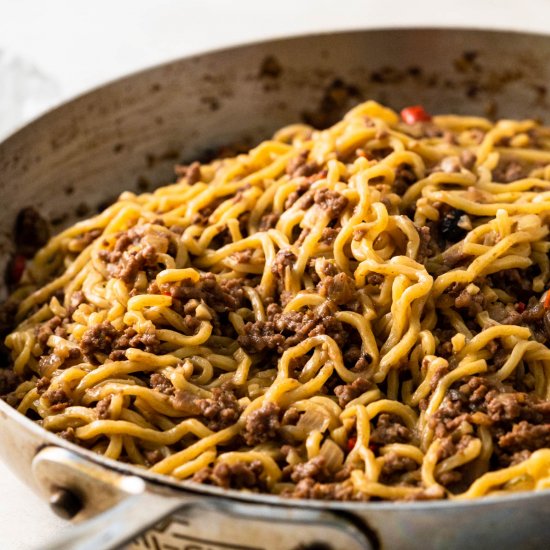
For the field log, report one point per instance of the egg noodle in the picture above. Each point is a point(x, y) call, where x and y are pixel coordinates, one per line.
point(350, 313)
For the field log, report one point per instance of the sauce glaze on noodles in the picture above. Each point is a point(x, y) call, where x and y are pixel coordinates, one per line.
point(352, 313)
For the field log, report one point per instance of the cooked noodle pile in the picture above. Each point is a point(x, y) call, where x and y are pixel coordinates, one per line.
point(353, 313)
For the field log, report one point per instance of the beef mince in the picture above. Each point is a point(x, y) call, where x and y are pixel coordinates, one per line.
point(517, 421)
point(241, 475)
point(221, 410)
point(291, 328)
point(262, 424)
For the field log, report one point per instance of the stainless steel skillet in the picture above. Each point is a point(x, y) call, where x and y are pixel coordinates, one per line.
point(128, 135)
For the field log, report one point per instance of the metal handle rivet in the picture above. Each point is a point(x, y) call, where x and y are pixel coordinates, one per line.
point(65, 503)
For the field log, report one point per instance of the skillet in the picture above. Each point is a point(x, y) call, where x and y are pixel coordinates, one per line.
point(128, 135)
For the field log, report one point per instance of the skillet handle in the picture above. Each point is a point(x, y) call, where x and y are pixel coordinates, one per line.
point(113, 508)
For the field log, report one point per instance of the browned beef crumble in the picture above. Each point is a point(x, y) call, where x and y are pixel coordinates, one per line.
point(508, 171)
point(331, 202)
point(291, 328)
point(299, 166)
point(390, 429)
point(241, 475)
point(68, 434)
point(395, 466)
point(284, 258)
point(47, 329)
point(340, 289)
point(517, 421)
point(42, 384)
point(221, 295)
point(356, 359)
point(98, 339)
point(349, 392)
point(221, 410)
point(186, 402)
point(268, 221)
point(191, 172)
point(314, 480)
point(57, 399)
point(404, 178)
point(315, 469)
point(424, 249)
point(153, 457)
point(102, 407)
point(160, 383)
point(262, 424)
point(301, 192)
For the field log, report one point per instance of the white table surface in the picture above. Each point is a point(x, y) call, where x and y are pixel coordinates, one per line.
point(52, 50)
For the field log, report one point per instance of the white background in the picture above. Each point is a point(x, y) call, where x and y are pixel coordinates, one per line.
point(51, 50)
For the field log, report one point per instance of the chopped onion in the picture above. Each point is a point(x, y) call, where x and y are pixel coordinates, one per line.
point(334, 456)
point(313, 420)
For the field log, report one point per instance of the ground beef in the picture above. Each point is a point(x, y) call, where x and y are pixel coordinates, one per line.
point(221, 410)
point(43, 384)
point(468, 159)
point(68, 434)
point(82, 241)
point(221, 296)
point(191, 172)
point(301, 196)
point(160, 383)
point(315, 469)
point(268, 221)
point(241, 475)
point(394, 466)
point(331, 201)
point(102, 408)
point(186, 402)
point(45, 330)
point(284, 258)
point(262, 424)
point(517, 421)
point(135, 261)
point(340, 289)
point(98, 339)
point(508, 171)
point(308, 488)
point(291, 328)
point(130, 338)
point(356, 359)
point(389, 429)
point(75, 300)
point(299, 166)
point(375, 279)
point(404, 178)
point(57, 399)
point(349, 392)
point(525, 436)
point(473, 303)
point(328, 236)
point(31, 232)
point(424, 250)
point(152, 457)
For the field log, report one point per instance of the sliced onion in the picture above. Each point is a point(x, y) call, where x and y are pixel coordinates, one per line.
point(313, 420)
point(334, 456)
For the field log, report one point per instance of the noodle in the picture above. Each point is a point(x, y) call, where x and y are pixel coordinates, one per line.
point(354, 313)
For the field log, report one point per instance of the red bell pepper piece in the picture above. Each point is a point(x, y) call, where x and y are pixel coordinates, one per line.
point(415, 113)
